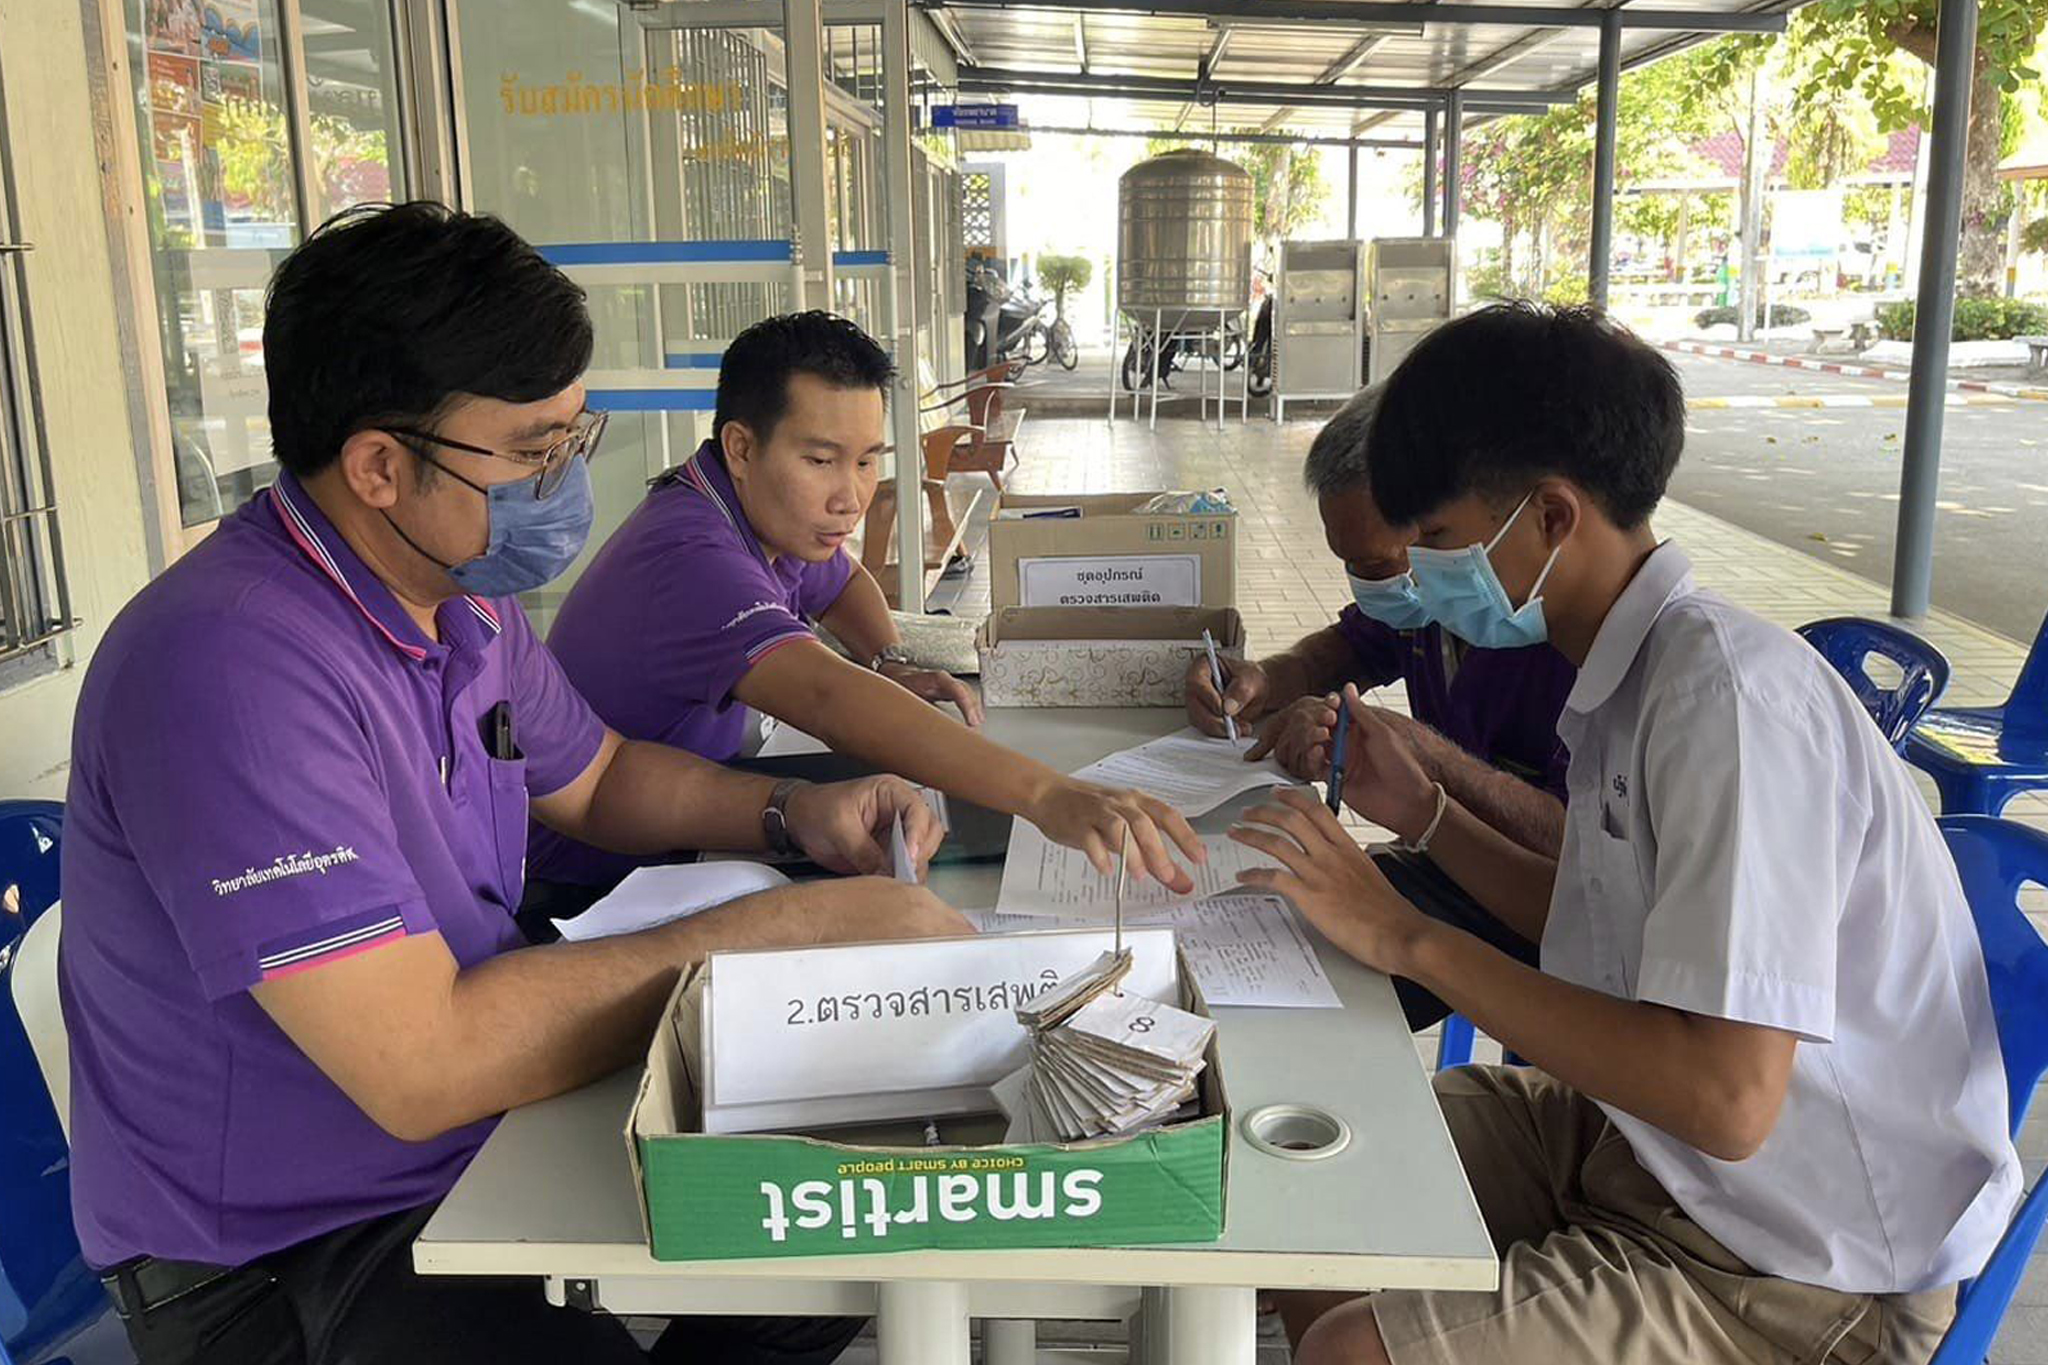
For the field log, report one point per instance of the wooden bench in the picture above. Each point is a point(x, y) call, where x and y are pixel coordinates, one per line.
point(967, 426)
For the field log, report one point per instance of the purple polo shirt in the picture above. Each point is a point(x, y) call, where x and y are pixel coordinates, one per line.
point(273, 768)
point(1498, 704)
point(667, 619)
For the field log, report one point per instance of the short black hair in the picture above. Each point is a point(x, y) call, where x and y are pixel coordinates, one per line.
point(1512, 393)
point(753, 379)
point(387, 313)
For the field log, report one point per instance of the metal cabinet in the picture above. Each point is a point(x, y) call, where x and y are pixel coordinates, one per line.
point(1411, 296)
point(1318, 322)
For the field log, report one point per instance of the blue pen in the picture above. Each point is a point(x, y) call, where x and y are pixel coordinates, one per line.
point(1336, 797)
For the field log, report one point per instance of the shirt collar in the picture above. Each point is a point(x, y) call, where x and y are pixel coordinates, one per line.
point(1663, 578)
point(705, 474)
point(463, 620)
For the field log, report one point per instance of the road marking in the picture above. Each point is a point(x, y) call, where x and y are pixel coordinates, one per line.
point(1795, 362)
point(1839, 400)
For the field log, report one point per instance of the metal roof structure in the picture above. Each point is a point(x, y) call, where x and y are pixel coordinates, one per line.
point(1319, 67)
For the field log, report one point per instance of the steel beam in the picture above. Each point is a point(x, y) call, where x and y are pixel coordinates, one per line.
point(1454, 160)
point(984, 78)
point(1388, 144)
point(1430, 121)
point(1605, 118)
point(803, 48)
point(1927, 389)
point(1407, 12)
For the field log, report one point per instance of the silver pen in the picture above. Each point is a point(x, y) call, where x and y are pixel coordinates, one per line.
point(1216, 676)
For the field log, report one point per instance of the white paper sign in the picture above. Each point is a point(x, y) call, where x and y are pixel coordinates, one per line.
point(1111, 581)
point(875, 1019)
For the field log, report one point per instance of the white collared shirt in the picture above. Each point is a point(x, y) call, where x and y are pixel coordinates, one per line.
point(1740, 842)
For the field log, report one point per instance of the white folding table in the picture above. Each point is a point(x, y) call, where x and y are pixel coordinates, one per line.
point(550, 1194)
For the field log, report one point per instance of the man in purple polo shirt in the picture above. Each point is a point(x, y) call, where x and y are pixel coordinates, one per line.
point(1483, 722)
point(303, 763)
point(700, 608)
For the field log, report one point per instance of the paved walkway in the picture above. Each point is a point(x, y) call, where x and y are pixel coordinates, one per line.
point(1288, 585)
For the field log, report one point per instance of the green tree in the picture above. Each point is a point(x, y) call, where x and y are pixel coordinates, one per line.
point(1062, 275)
point(1867, 37)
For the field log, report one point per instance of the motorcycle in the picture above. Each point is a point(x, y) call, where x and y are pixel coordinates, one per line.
point(1020, 326)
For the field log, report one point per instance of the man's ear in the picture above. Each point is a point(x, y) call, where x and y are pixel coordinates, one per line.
point(372, 465)
point(736, 439)
point(1560, 507)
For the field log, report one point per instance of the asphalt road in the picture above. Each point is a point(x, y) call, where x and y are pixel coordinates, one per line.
point(1825, 481)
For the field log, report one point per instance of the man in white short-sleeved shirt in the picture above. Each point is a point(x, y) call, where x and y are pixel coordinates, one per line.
point(1767, 1115)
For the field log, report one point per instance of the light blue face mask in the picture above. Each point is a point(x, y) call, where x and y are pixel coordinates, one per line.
point(1462, 593)
point(1393, 602)
point(532, 540)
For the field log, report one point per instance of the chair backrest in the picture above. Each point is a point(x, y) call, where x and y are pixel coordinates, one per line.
point(1848, 642)
point(1995, 859)
point(2027, 708)
point(34, 979)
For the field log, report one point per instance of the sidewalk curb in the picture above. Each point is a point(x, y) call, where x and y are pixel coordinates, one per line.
point(1841, 400)
point(1795, 362)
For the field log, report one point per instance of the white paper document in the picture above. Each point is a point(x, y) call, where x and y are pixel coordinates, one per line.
point(1246, 949)
point(1042, 877)
point(656, 895)
point(810, 1037)
point(901, 864)
point(1188, 770)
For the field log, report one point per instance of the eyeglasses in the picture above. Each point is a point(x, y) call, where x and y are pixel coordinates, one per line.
point(553, 460)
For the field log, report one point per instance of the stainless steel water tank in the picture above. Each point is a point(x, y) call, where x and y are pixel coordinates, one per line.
point(1184, 236)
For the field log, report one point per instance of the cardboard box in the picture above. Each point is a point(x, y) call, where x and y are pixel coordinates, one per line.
point(1098, 656)
point(881, 1189)
point(1111, 555)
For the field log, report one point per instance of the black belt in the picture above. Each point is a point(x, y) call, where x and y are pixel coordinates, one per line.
point(149, 1282)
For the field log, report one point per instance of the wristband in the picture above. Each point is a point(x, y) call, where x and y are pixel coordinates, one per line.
point(1420, 844)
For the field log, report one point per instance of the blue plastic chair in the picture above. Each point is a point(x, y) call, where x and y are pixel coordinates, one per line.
point(1981, 757)
point(1995, 858)
point(1454, 1042)
point(50, 1294)
point(1848, 642)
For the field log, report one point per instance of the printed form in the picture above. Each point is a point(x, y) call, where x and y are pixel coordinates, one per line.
point(1188, 770)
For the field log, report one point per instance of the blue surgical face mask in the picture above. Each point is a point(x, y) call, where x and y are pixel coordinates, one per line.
point(532, 540)
point(1393, 602)
point(1463, 594)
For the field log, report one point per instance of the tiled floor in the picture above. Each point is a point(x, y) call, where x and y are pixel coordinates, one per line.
point(1289, 585)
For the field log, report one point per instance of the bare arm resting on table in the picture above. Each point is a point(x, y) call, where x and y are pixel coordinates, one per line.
point(423, 1045)
point(1714, 1083)
point(859, 619)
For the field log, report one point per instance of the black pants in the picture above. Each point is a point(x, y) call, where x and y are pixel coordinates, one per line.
point(350, 1297)
point(1425, 886)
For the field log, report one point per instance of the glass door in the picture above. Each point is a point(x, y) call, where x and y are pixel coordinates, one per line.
point(256, 119)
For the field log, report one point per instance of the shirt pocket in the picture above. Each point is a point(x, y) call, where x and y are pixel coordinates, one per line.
point(1615, 910)
point(509, 825)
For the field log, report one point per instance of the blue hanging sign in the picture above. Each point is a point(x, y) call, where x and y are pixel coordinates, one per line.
point(977, 116)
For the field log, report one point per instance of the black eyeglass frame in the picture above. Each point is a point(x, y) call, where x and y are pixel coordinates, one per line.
point(552, 461)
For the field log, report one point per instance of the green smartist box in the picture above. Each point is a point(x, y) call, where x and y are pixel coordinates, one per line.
point(881, 1188)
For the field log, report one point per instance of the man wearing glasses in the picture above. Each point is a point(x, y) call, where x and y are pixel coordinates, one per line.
point(303, 765)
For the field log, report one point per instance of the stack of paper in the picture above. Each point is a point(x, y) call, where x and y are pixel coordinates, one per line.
point(1103, 1060)
point(1188, 770)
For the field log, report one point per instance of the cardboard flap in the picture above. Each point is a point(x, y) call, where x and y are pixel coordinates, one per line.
point(1115, 623)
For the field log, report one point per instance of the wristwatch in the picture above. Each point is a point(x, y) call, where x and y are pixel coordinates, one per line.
point(889, 654)
point(775, 817)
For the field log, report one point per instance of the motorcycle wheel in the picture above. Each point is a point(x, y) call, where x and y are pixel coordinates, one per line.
point(1064, 351)
point(1137, 367)
point(1233, 351)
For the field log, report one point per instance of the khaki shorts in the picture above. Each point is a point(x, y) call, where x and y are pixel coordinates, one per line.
point(1598, 1263)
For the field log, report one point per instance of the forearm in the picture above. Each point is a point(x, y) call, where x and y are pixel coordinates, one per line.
point(859, 618)
point(654, 798)
point(864, 714)
point(1313, 666)
point(1512, 883)
point(1663, 1066)
point(1527, 815)
point(423, 1045)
